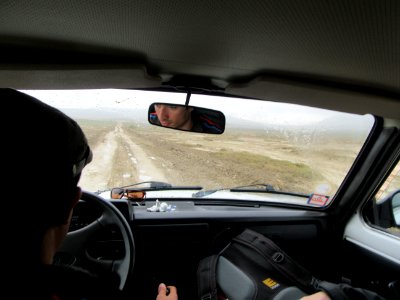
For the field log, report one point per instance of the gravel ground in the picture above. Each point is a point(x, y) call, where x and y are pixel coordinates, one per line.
point(124, 154)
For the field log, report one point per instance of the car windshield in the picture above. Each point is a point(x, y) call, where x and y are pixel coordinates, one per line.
point(269, 151)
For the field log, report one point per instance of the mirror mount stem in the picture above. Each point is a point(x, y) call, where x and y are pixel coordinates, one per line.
point(189, 93)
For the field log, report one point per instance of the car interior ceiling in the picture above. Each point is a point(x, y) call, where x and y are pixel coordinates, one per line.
point(67, 62)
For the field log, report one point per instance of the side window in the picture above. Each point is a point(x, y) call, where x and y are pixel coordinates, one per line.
point(384, 210)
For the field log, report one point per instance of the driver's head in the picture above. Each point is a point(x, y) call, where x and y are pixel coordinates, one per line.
point(174, 116)
point(44, 152)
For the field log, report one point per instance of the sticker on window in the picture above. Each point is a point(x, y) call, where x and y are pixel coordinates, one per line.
point(317, 199)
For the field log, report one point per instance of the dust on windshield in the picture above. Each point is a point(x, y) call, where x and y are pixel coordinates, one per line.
point(289, 147)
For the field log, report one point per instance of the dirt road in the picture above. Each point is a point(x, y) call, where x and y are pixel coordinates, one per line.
point(125, 154)
point(128, 162)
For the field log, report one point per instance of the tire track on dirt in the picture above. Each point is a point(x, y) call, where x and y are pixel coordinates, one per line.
point(109, 168)
point(146, 168)
point(95, 176)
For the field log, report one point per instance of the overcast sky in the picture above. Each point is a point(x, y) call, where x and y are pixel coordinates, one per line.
point(129, 100)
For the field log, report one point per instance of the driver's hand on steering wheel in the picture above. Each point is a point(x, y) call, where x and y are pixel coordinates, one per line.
point(167, 293)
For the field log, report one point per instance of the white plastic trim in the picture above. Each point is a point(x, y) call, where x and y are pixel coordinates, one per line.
point(371, 239)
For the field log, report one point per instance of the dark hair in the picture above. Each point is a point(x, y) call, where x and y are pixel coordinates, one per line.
point(44, 154)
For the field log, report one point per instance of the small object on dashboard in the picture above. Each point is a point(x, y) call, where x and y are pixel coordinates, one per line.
point(159, 207)
point(164, 206)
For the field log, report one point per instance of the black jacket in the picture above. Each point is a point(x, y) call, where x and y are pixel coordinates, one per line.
point(53, 282)
point(344, 291)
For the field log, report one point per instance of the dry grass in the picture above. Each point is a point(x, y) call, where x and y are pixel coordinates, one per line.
point(227, 160)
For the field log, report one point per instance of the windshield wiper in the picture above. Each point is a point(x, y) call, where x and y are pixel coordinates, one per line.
point(157, 185)
point(251, 188)
point(266, 187)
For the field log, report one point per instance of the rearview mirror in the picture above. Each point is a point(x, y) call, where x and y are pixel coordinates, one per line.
point(187, 118)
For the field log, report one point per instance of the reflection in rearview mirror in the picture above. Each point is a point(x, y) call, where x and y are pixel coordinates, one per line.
point(188, 118)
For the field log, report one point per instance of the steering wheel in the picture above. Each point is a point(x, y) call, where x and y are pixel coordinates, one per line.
point(75, 244)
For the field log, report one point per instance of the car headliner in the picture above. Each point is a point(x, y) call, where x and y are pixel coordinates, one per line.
point(337, 54)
